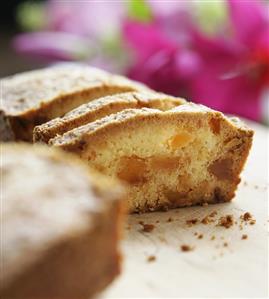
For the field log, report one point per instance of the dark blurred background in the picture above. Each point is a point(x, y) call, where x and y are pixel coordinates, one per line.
point(10, 61)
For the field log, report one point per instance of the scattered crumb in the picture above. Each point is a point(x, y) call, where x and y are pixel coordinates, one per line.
point(195, 233)
point(246, 217)
point(147, 227)
point(213, 238)
point(191, 221)
point(256, 187)
point(213, 214)
point(170, 219)
point(151, 258)
point(186, 248)
point(244, 237)
point(141, 222)
point(241, 226)
point(200, 236)
point(157, 221)
point(226, 221)
point(225, 244)
point(245, 183)
point(206, 220)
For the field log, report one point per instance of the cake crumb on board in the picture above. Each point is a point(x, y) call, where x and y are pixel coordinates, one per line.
point(226, 221)
point(244, 237)
point(147, 228)
point(151, 258)
point(246, 216)
point(186, 248)
point(191, 222)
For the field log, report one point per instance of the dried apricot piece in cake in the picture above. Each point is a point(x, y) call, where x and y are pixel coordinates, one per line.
point(169, 158)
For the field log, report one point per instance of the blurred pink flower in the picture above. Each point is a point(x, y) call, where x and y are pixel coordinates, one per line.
point(161, 62)
point(228, 73)
point(75, 30)
point(87, 18)
point(53, 45)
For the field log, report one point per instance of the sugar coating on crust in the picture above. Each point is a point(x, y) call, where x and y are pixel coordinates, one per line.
point(37, 212)
point(35, 88)
point(188, 155)
point(101, 107)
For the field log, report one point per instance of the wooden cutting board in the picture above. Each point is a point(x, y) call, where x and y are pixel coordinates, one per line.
point(227, 266)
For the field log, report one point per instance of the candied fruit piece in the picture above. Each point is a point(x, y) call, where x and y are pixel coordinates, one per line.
point(179, 140)
point(214, 124)
point(164, 163)
point(175, 196)
point(222, 169)
point(132, 170)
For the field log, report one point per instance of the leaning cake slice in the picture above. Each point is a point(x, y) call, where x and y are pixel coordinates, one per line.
point(102, 107)
point(32, 98)
point(186, 156)
point(60, 225)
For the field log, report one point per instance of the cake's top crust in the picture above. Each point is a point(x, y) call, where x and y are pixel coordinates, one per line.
point(47, 198)
point(142, 98)
point(32, 89)
point(121, 118)
point(105, 105)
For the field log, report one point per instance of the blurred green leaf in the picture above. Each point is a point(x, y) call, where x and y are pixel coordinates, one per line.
point(140, 10)
point(211, 15)
point(31, 16)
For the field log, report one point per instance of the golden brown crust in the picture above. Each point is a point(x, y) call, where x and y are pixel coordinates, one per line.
point(199, 152)
point(101, 107)
point(32, 98)
point(65, 231)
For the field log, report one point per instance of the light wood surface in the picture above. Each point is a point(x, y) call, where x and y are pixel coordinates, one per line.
point(210, 269)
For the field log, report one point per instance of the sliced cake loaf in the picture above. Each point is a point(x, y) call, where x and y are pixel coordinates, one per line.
point(186, 156)
point(60, 225)
point(32, 98)
point(102, 107)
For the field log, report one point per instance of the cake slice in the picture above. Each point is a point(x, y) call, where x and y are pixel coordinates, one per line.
point(60, 225)
point(32, 98)
point(100, 108)
point(186, 156)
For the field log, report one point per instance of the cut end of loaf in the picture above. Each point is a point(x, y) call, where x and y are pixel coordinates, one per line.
point(187, 156)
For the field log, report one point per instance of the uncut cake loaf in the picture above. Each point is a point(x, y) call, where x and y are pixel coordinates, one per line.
point(184, 156)
point(101, 107)
point(32, 98)
point(60, 225)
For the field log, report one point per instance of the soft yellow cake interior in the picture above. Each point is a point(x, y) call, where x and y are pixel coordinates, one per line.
point(186, 156)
